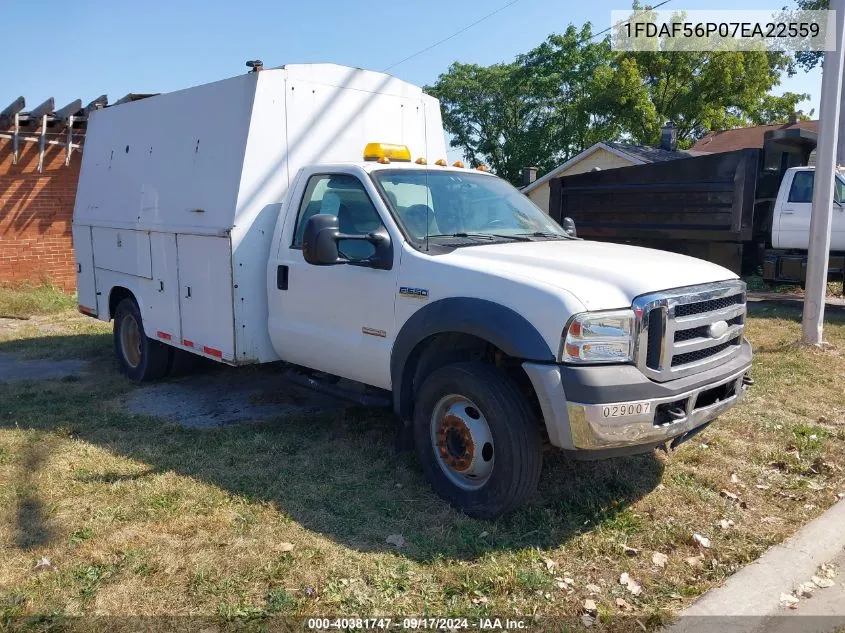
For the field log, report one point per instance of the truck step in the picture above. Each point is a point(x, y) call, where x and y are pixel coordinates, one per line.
point(339, 388)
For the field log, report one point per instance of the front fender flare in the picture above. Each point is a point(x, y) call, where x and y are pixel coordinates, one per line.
point(490, 321)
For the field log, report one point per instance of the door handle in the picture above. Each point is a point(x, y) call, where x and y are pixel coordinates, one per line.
point(187, 292)
point(787, 212)
point(282, 277)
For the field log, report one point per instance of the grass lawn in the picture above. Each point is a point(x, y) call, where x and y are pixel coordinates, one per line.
point(290, 516)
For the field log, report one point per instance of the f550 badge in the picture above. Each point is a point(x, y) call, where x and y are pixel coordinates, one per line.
point(414, 293)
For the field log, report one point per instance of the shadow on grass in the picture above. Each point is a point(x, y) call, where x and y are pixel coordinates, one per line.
point(32, 529)
point(94, 347)
point(334, 472)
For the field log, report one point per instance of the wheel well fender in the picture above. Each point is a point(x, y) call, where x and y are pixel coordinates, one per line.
point(118, 294)
point(480, 319)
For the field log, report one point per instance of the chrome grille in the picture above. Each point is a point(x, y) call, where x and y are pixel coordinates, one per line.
point(674, 336)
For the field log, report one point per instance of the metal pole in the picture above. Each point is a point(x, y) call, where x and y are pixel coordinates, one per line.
point(812, 324)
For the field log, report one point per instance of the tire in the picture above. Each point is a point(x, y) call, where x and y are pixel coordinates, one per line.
point(453, 406)
point(138, 356)
point(182, 363)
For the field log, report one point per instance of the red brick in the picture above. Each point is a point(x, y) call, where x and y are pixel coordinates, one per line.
point(36, 211)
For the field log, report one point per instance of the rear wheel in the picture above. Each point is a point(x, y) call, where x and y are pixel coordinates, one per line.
point(477, 439)
point(138, 356)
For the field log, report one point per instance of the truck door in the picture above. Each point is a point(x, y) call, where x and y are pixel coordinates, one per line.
point(86, 290)
point(337, 319)
point(837, 230)
point(795, 211)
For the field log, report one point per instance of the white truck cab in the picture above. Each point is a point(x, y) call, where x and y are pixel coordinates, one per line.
point(306, 214)
point(793, 208)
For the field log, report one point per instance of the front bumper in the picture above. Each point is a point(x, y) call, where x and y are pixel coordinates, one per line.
point(576, 400)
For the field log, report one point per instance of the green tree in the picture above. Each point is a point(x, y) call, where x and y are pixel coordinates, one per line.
point(698, 91)
point(810, 59)
point(538, 110)
point(573, 90)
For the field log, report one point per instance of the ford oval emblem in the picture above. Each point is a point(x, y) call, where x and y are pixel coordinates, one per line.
point(717, 329)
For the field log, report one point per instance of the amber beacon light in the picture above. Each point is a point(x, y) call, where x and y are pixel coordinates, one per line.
point(378, 151)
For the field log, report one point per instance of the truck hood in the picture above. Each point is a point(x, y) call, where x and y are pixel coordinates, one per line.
point(600, 275)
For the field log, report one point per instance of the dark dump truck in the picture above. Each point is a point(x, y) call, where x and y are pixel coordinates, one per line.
point(747, 210)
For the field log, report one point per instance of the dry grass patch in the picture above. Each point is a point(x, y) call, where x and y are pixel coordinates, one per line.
point(22, 301)
point(141, 517)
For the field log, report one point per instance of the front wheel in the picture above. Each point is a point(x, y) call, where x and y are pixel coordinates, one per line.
point(477, 439)
point(138, 356)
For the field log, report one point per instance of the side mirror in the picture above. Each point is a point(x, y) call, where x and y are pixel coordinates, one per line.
point(568, 225)
point(319, 242)
point(322, 233)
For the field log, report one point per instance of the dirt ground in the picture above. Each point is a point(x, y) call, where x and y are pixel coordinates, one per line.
point(221, 396)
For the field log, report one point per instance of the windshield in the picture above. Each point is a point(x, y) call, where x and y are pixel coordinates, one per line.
point(461, 204)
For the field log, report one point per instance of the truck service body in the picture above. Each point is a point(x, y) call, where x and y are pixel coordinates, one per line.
point(238, 221)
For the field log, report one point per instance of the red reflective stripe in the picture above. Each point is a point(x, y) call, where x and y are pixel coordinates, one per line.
point(187, 343)
point(86, 310)
point(212, 352)
point(164, 335)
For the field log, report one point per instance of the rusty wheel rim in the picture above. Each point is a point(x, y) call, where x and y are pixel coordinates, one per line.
point(130, 340)
point(462, 442)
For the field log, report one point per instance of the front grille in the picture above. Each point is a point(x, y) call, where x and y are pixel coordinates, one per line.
point(655, 337)
point(676, 332)
point(688, 309)
point(701, 331)
point(691, 357)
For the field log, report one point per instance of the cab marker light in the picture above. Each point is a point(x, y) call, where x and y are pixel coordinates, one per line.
point(441, 162)
point(483, 168)
point(421, 161)
point(458, 163)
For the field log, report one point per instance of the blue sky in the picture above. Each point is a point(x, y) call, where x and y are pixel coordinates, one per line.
point(91, 47)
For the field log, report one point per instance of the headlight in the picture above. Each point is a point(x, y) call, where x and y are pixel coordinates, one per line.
point(599, 337)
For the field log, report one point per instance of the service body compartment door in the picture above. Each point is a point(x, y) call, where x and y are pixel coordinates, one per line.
point(123, 251)
point(161, 293)
point(86, 285)
point(205, 295)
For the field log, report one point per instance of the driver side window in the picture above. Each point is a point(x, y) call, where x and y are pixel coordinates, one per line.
point(343, 196)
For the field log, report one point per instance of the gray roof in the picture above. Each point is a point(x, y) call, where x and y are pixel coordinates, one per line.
point(647, 153)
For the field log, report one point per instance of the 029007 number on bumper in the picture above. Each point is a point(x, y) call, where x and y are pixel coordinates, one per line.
point(646, 422)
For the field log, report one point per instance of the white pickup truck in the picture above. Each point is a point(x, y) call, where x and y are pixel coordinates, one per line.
point(266, 218)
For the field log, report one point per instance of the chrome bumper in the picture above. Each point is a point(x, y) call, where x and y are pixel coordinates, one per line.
point(584, 427)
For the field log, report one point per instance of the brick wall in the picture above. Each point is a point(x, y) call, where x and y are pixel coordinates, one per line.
point(35, 215)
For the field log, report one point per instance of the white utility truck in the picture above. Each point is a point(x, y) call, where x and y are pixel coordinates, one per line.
point(306, 214)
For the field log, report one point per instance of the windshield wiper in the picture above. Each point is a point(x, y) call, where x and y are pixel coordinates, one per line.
point(546, 234)
point(489, 236)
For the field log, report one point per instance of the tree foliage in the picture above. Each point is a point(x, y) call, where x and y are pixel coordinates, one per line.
point(537, 110)
point(700, 91)
point(810, 59)
point(572, 91)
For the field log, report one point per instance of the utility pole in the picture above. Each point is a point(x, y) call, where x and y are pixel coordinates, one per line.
point(812, 324)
